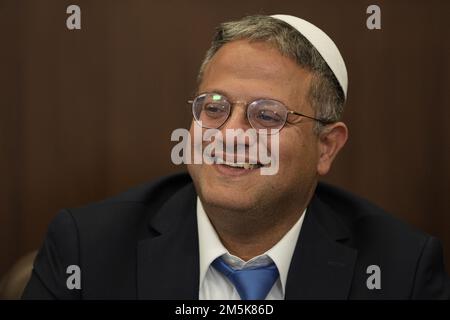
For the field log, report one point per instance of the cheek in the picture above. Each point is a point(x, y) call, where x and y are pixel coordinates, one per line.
point(193, 169)
point(298, 155)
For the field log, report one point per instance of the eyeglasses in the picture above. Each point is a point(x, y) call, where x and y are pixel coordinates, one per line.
point(211, 110)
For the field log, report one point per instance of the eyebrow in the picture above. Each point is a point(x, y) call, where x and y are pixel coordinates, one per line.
point(227, 95)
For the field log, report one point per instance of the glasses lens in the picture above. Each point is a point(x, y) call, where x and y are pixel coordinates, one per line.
point(267, 114)
point(211, 109)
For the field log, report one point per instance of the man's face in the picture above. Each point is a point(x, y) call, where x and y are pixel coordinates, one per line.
point(245, 71)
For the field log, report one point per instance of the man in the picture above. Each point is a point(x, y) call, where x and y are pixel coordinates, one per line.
point(226, 231)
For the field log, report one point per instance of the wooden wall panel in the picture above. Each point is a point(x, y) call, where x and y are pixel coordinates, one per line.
point(86, 114)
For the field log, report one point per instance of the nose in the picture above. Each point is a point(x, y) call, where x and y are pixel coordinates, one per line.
point(237, 118)
point(237, 142)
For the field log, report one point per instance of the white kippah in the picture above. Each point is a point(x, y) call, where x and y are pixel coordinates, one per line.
point(324, 45)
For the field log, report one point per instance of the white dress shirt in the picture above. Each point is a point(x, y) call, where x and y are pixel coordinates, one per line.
point(214, 285)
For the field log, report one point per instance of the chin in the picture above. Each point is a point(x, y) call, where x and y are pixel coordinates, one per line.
point(237, 194)
point(234, 200)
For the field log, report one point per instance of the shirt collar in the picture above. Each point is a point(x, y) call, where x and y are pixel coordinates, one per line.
point(211, 248)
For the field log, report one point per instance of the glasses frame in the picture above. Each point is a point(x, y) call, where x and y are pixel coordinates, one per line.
point(246, 104)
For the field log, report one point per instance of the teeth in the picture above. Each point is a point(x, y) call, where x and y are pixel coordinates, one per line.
point(246, 166)
point(235, 165)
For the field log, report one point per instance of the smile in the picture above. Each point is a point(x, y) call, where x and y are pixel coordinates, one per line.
point(239, 165)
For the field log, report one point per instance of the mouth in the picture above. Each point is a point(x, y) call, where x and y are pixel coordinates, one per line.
point(238, 165)
point(234, 169)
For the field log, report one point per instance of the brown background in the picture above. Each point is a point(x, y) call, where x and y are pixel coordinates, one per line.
point(86, 114)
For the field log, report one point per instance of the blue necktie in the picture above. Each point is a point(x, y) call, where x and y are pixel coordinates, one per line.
point(252, 283)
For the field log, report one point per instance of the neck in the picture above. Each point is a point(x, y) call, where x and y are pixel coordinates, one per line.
point(250, 233)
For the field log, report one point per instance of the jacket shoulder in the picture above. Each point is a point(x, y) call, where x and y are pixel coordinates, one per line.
point(355, 211)
point(153, 194)
point(411, 260)
point(129, 208)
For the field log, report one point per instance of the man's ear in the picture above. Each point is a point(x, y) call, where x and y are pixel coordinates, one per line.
point(331, 139)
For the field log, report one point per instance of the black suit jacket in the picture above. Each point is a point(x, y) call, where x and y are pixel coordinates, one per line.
point(143, 244)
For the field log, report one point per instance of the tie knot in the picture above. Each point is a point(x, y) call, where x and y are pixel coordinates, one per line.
point(251, 283)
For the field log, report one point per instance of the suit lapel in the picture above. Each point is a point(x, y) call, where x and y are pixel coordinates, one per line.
point(168, 258)
point(321, 267)
point(168, 261)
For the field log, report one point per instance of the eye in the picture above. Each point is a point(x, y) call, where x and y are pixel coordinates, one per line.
point(268, 116)
point(214, 109)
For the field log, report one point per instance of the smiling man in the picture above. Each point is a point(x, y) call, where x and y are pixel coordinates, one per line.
point(226, 231)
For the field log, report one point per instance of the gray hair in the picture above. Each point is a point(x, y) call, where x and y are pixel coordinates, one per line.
point(325, 94)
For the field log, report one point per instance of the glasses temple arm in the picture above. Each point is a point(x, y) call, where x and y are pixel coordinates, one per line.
point(323, 121)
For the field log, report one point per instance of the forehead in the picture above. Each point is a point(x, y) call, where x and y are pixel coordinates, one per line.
point(246, 70)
